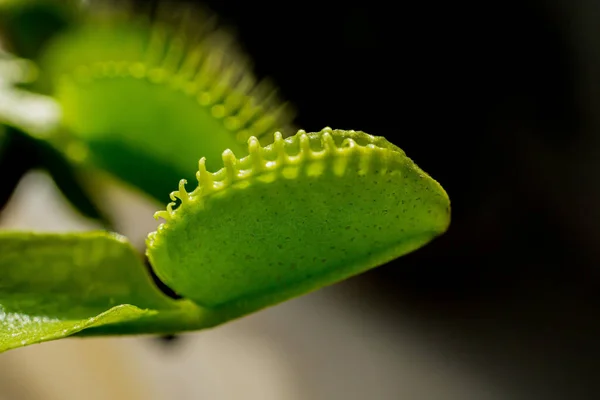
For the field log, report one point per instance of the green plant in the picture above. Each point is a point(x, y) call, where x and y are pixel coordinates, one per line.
point(142, 100)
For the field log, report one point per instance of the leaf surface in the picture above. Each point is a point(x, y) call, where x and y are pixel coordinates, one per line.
point(295, 216)
point(57, 285)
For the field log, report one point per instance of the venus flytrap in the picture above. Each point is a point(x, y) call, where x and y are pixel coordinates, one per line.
point(288, 219)
point(271, 217)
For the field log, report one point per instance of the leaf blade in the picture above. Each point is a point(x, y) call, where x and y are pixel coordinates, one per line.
point(17, 328)
point(292, 217)
point(57, 285)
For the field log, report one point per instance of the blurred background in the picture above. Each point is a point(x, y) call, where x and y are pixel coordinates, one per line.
point(499, 102)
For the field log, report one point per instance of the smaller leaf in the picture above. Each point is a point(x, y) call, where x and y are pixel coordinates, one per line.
point(56, 285)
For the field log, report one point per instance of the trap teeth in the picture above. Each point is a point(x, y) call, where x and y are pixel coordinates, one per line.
point(229, 162)
point(334, 150)
point(253, 145)
point(161, 214)
point(205, 178)
point(349, 143)
point(183, 194)
point(305, 144)
point(279, 146)
point(328, 142)
point(255, 154)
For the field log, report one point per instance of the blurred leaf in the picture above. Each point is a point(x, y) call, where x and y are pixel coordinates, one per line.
point(31, 112)
point(14, 70)
point(148, 99)
point(34, 113)
point(23, 153)
point(57, 285)
point(70, 183)
point(39, 116)
point(15, 157)
point(29, 24)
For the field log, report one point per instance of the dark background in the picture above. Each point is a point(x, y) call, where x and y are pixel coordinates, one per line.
point(498, 101)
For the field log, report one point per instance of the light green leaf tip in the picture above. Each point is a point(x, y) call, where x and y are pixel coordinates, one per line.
point(294, 216)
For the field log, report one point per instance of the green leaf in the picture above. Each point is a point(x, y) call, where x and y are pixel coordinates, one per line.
point(147, 99)
point(33, 130)
point(56, 285)
point(292, 217)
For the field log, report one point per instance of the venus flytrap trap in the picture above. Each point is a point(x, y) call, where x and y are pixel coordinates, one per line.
point(271, 217)
point(291, 217)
